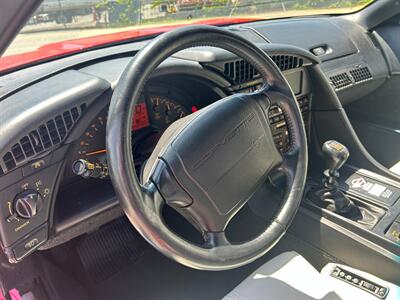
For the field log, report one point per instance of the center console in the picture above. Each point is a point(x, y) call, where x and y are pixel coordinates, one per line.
point(379, 192)
point(351, 216)
point(332, 194)
point(364, 203)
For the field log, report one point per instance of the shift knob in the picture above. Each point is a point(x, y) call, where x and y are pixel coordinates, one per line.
point(336, 155)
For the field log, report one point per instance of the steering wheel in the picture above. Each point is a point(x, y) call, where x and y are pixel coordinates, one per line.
point(207, 165)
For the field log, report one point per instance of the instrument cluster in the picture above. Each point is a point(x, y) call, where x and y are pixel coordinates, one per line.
point(155, 111)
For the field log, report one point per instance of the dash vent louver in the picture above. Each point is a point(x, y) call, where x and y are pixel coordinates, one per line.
point(240, 71)
point(47, 135)
point(287, 62)
point(360, 74)
point(340, 80)
point(350, 77)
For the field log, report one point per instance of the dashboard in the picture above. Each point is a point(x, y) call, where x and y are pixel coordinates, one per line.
point(58, 166)
point(54, 181)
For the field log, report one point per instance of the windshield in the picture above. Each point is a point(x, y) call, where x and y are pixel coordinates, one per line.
point(65, 20)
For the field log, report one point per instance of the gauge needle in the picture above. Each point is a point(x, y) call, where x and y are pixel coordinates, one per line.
point(96, 152)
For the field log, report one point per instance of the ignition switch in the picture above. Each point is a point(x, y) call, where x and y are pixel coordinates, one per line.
point(87, 169)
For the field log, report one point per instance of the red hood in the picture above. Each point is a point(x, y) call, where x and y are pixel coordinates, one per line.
point(53, 50)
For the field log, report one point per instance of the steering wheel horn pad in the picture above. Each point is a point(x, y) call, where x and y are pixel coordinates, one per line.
point(208, 164)
point(218, 158)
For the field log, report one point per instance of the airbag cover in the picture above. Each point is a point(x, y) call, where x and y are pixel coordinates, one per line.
point(224, 152)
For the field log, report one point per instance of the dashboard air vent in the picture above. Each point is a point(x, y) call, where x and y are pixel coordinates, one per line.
point(340, 81)
point(287, 62)
point(27, 146)
point(62, 130)
point(36, 141)
point(239, 71)
point(17, 152)
point(9, 161)
point(44, 137)
point(360, 74)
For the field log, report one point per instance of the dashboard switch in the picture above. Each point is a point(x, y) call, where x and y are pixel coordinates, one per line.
point(360, 282)
point(394, 232)
point(27, 204)
point(318, 51)
point(28, 244)
point(36, 166)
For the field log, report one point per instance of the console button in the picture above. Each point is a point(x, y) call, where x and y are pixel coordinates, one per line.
point(36, 166)
point(382, 292)
point(393, 233)
point(30, 243)
point(369, 286)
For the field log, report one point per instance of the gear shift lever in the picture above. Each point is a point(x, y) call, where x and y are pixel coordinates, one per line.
point(336, 155)
point(330, 197)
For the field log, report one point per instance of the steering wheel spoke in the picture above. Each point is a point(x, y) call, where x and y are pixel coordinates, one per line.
point(216, 239)
point(152, 199)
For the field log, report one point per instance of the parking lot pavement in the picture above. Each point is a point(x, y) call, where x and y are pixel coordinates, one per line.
point(29, 41)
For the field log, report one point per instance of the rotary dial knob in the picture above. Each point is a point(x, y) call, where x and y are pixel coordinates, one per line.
point(27, 204)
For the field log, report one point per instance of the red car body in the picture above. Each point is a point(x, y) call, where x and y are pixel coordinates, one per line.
point(59, 49)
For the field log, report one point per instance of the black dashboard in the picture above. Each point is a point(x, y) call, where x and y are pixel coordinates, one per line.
point(54, 115)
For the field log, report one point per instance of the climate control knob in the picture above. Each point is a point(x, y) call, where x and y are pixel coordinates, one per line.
point(27, 204)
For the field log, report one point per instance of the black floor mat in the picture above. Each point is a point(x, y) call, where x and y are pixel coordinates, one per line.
point(108, 250)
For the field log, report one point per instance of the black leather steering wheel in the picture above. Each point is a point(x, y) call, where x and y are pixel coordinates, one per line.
point(208, 164)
